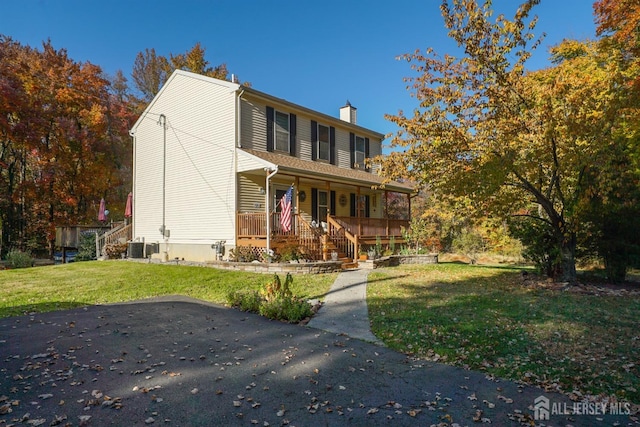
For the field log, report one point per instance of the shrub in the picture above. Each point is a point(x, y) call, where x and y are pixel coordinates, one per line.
point(276, 289)
point(540, 244)
point(290, 252)
point(242, 254)
point(245, 300)
point(115, 250)
point(87, 247)
point(19, 259)
point(274, 301)
point(291, 309)
point(470, 244)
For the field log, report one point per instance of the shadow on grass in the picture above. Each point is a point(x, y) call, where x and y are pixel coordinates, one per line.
point(368, 281)
point(490, 318)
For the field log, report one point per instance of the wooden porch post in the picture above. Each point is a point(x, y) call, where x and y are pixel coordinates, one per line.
point(297, 212)
point(386, 210)
point(358, 211)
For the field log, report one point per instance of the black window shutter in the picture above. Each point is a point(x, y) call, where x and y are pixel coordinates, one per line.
point(270, 118)
point(314, 140)
point(314, 204)
point(367, 208)
point(366, 150)
point(332, 145)
point(352, 205)
point(352, 149)
point(292, 134)
point(332, 199)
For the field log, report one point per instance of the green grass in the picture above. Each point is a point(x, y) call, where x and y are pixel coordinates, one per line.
point(78, 284)
point(483, 318)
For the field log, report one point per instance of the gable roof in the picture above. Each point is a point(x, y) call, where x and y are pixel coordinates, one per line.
point(251, 91)
point(178, 74)
point(327, 171)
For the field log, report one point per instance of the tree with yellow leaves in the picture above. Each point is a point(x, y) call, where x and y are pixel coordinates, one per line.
point(516, 142)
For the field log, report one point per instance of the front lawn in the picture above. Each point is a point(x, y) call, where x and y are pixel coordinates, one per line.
point(77, 284)
point(496, 320)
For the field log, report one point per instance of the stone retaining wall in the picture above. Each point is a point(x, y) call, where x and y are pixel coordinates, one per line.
point(257, 267)
point(394, 260)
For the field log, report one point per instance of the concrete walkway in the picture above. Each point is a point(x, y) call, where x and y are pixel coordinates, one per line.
point(345, 308)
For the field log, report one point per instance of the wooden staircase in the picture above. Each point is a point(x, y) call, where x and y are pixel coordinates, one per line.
point(347, 263)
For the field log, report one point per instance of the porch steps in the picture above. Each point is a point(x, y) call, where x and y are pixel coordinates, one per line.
point(348, 263)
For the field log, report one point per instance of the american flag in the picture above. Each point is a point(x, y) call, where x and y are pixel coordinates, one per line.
point(285, 210)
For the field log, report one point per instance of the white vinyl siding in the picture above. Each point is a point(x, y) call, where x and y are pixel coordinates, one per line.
point(250, 198)
point(200, 177)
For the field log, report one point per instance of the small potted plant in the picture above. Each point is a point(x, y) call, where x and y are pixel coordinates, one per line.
point(363, 256)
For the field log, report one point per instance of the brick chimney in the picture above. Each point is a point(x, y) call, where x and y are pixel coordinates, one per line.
point(348, 113)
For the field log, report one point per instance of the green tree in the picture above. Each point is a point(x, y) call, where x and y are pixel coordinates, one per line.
point(516, 142)
point(151, 71)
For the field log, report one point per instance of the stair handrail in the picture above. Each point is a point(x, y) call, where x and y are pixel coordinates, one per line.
point(350, 250)
point(123, 230)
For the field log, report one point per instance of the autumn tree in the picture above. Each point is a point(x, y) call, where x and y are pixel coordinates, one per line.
point(151, 71)
point(64, 143)
point(619, 19)
point(515, 142)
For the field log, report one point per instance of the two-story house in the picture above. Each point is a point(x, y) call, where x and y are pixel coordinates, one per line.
point(213, 160)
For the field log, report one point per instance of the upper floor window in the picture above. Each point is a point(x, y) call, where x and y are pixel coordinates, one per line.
point(323, 143)
point(359, 152)
point(281, 124)
point(281, 131)
point(359, 147)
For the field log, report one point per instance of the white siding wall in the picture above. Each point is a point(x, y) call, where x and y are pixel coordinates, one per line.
point(250, 199)
point(200, 177)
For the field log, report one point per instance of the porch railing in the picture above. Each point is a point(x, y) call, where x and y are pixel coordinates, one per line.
point(309, 237)
point(346, 233)
point(119, 234)
point(372, 227)
point(254, 226)
point(346, 242)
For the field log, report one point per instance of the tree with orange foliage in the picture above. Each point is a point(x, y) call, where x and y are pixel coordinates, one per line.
point(64, 144)
point(621, 20)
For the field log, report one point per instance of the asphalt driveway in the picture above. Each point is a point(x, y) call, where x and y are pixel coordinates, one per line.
point(181, 362)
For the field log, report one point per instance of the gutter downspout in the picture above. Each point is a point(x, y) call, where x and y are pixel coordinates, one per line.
point(267, 209)
point(132, 134)
point(163, 121)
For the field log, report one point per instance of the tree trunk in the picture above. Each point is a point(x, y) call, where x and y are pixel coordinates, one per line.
point(568, 265)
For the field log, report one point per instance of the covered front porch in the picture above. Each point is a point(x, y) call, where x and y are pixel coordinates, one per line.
point(332, 209)
point(347, 236)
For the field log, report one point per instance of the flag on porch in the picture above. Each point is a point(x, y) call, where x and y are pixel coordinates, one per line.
point(285, 210)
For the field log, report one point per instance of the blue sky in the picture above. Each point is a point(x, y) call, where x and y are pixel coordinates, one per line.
point(315, 53)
